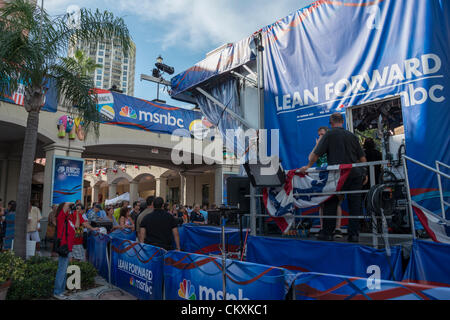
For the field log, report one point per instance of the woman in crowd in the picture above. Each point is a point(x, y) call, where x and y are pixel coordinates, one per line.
point(80, 224)
point(125, 220)
point(51, 229)
point(10, 218)
point(182, 213)
point(110, 217)
point(65, 231)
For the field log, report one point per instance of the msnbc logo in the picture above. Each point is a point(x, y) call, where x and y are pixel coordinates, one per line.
point(187, 290)
point(128, 112)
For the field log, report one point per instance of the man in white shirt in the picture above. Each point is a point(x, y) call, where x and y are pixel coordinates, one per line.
point(33, 226)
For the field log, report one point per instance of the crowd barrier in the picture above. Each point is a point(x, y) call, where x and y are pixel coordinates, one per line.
point(316, 270)
point(429, 264)
point(137, 268)
point(207, 239)
point(325, 257)
point(199, 277)
point(317, 286)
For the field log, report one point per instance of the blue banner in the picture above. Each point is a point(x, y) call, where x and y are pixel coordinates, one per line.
point(51, 96)
point(125, 234)
point(207, 240)
point(333, 55)
point(316, 286)
point(137, 268)
point(98, 252)
point(429, 264)
point(67, 179)
point(197, 277)
point(134, 113)
point(325, 257)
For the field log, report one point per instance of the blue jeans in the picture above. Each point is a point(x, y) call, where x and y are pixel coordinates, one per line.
point(61, 275)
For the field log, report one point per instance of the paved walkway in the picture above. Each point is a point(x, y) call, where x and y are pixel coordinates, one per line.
point(104, 291)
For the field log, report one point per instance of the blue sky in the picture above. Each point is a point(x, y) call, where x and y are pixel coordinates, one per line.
point(183, 31)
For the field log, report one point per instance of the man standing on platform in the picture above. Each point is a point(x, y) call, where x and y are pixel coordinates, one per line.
point(341, 147)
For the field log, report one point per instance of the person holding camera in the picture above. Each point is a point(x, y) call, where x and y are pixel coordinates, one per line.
point(65, 236)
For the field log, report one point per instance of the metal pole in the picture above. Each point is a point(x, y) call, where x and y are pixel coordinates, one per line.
point(224, 262)
point(408, 192)
point(252, 210)
point(441, 195)
point(374, 221)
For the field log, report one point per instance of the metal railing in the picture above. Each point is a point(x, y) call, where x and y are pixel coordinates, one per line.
point(371, 166)
point(408, 190)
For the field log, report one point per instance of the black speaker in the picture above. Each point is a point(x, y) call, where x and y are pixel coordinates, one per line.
point(237, 189)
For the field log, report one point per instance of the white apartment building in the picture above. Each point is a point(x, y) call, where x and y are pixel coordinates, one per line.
point(117, 68)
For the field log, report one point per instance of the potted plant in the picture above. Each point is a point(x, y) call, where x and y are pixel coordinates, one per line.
point(11, 268)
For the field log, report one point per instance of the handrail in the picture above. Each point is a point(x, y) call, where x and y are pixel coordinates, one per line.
point(427, 167)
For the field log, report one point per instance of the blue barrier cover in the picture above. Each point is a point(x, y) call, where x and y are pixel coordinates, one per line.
point(123, 234)
point(198, 277)
point(429, 264)
point(316, 286)
point(137, 268)
point(326, 257)
point(207, 239)
point(97, 252)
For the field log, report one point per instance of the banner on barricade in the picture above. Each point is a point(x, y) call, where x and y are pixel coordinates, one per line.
point(207, 240)
point(137, 268)
point(98, 252)
point(316, 286)
point(429, 264)
point(125, 234)
point(190, 276)
point(326, 257)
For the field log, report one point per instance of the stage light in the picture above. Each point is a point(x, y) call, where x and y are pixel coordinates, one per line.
point(159, 59)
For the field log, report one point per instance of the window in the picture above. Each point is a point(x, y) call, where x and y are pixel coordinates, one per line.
point(99, 84)
point(125, 78)
point(125, 67)
point(99, 71)
point(101, 53)
point(99, 77)
point(100, 60)
point(124, 73)
point(125, 60)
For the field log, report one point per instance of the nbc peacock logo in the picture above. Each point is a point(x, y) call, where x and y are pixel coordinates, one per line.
point(128, 112)
point(187, 290)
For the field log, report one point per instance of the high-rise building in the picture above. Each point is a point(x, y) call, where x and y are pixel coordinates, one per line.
point(117, 68)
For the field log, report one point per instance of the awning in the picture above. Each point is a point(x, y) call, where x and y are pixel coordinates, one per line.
point(231, 57)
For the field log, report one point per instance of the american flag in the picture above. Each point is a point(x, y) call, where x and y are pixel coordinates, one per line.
point(282, 202)
point(19, 95)
point(437, 227)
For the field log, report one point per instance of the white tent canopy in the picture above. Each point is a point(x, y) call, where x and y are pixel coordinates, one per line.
point(122, 197)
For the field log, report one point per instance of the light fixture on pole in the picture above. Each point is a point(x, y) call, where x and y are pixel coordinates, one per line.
point(157, 72)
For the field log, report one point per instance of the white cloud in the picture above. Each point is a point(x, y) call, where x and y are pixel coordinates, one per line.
point(197, 24)
point(205, 23)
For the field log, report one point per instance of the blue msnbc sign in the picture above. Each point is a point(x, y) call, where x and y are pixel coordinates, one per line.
point(139, 114)
point(189, 276)
point(67, 179)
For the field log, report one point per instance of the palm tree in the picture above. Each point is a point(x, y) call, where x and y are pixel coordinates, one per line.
point(32, 44)
point(86, 64)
